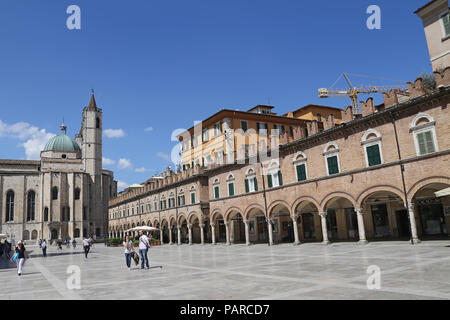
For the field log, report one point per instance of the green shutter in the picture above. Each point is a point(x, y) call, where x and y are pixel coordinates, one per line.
point(256, 184)
point(247, 189)
point(373, 155)
point(332, 165)
point(216, 192)
point(231, 189)
point(269, 180)
point(446, 22)
point(301, 172)
point(192, 198)
point(280, 178)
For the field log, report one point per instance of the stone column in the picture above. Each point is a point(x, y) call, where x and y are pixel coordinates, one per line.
point(323, 220)
point(190, 233)
point(412, 221)
point(269, 227)
point(179, 235)
point(295, 226)
point(232, 232)
point(202, 236)
point(247, 232)
point(361, 229)
point(161, 239)
point(213, 233)
point(170, 236)
point(227, 231)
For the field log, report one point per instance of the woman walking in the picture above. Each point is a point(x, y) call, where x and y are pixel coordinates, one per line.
point(128, 244)
point(19, 256)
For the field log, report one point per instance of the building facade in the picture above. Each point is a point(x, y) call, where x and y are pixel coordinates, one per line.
point(367, 178)
point(63, 195)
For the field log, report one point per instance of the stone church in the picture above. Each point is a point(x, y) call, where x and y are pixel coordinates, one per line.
point(63, 195)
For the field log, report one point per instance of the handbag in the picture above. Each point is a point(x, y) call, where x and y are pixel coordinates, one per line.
point(15, 256)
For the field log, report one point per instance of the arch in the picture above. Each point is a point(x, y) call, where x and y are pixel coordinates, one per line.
point(9, 205)
point(249, 173)
point(303, 199)
point(229, 211)
point(230, 177)
point(364, 194)
point(421, 115)
point(299, 156)
point(278, 203)
point(26, 235)
point(251, 208)
point(164, 221)
point(34, 235)
point(424, 182)
point(215, 215)
point(370, 132)
point(182, 217)
point(333, 195)
point(194, 214)
point(329, 145)
point(172, 222)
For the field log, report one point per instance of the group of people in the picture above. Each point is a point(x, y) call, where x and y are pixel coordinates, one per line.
point(144, 245)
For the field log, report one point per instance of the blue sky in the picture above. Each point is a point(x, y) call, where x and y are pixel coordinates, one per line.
point(164, 64)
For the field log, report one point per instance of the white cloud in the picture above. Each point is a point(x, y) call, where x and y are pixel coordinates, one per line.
point(114, 133)
point(108, 162)
point(121, 185)
point(163, 156)
point(142, 169)
point(149, 129)
point(35, 138)
point(124, 164)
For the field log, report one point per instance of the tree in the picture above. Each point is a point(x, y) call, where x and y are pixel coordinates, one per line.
point(429, 82)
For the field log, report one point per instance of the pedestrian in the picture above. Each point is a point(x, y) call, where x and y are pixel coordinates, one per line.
point(59, 243)
point(19, 257)
point(67, 243)
point(86, 246)
point(6, 250)
point(144, 244)
point(74, 243)
point(40, 243)
point(128, 244)
point(44, 248)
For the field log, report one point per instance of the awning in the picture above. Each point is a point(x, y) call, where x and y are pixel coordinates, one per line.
point(443, 193)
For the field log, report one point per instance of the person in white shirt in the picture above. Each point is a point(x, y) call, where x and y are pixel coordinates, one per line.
point(128, 244)
point(144, 244)
point(86, 246)
point(44, 248)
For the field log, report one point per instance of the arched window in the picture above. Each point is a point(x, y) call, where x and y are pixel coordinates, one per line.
point(300, 166)
point(424, 133)
point(34, 235)
point(55, 193)
point(331, 154)
point(274, 177)
point(251, 183)
point(371, 142)
point(46, 214)
point(26, 235)
point(77, 192)
point(216, 189)
point(9, 206)
point(192, 192)
point(230, 183)
point(31, 204)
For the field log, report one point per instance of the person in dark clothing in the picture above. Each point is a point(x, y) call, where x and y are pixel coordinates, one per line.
point(21, 255)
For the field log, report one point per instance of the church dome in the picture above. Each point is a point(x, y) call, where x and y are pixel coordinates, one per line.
point(62, 143)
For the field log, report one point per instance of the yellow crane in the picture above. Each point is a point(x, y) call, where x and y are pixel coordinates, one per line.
point(353, 91)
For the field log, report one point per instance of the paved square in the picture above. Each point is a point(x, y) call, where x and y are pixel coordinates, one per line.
point(309, 271)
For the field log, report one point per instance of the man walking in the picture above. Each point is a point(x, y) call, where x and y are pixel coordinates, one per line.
point(44, 248)
point(144, 244)
point(86, 246)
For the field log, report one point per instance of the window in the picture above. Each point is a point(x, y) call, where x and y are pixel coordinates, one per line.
point(46, 214)
point(274, 178)
point(193, 197)
point(280, 128)
point(171, 202)
point(445, 19)
point(230, 182)
point(97, 123)
point(371, 142)
point(148, 208)
point(155, 205)
point(319, 117)
point(331, 153)
point(244, 125)
point(424, 132)
point(251, 184)
point(216, 192)
point(181, 201)
point(55, 193)
point(31, 201)
point(205, 135)
point(77, 194)
point(300, 166)
point(261, 126)
point(217, 129)
point(9, 206)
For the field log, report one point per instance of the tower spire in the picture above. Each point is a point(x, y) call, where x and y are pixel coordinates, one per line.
point(92, 103)
point(63, 127)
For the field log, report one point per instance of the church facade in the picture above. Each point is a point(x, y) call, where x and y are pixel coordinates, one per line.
point(63, 195)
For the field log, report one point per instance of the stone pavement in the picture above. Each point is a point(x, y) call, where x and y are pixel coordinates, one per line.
point(308, 271)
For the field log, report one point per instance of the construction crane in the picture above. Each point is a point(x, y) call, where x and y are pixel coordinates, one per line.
point(353, 91)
